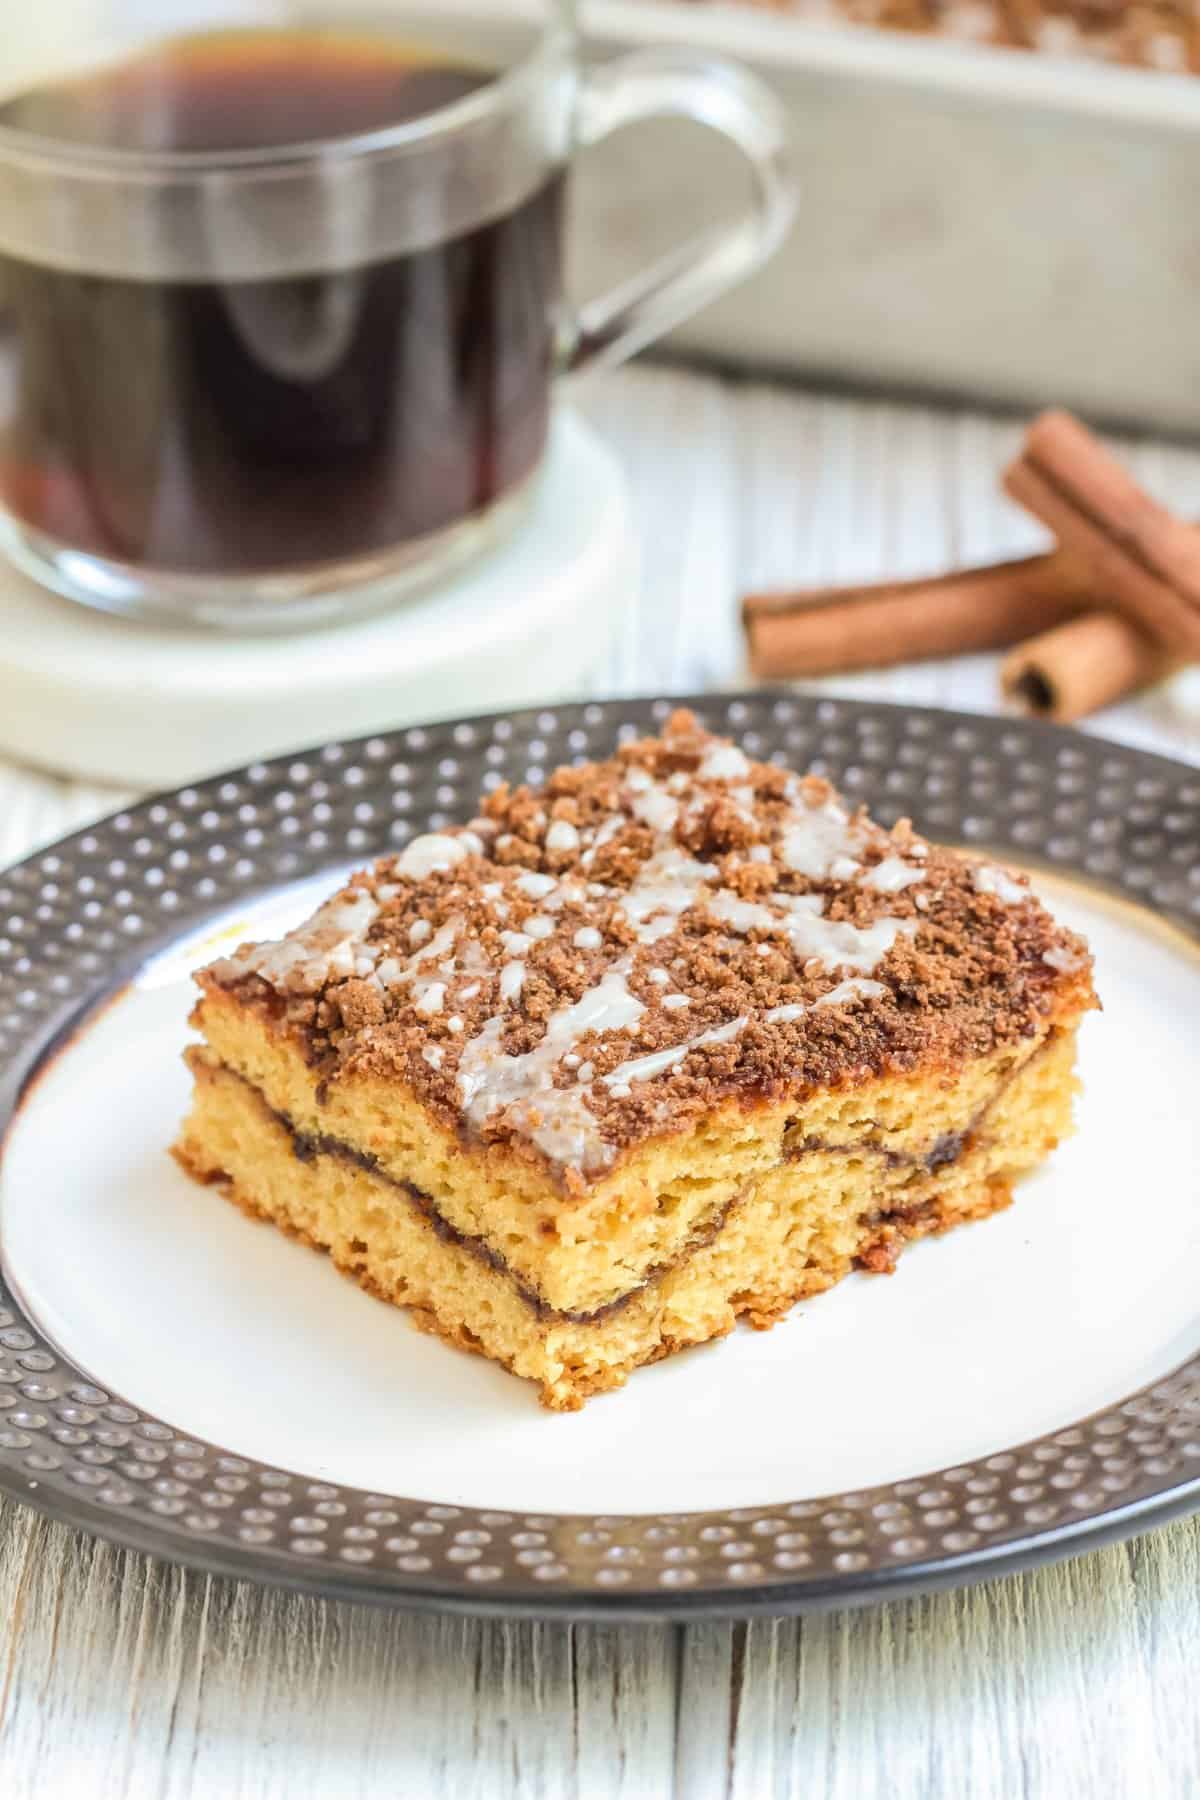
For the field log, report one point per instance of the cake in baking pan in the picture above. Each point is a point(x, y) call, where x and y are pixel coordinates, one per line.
point(1150, 34)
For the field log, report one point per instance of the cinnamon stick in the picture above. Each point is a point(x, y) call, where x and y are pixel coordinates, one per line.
point(1077, 668)
point(824, 631)
point(1115, 606)
point(1143, 560)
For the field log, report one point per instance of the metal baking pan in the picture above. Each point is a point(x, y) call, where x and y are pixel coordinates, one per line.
point(973, 221)
point(994, 223)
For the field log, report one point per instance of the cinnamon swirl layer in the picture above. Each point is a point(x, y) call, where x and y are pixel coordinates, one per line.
point(796, 1229)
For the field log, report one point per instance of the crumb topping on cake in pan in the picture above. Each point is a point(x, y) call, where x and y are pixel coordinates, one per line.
point(604, 958)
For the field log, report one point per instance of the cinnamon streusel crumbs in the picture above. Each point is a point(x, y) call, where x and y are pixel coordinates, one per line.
point(609, 957)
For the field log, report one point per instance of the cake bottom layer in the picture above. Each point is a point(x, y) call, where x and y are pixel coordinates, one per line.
point(796, 1230)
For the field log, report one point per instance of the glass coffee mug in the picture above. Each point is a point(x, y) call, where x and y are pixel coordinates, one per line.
point(281, 305)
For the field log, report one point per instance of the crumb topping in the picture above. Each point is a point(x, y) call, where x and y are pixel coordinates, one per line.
point(594, 962)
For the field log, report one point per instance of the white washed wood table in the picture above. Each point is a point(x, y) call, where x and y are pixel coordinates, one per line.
point(123, 1677)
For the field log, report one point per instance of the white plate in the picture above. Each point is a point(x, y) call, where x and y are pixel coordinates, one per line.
point(1083, 1291)
point(181, 1381)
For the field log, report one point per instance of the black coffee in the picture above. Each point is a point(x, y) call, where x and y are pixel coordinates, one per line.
point(248, 425)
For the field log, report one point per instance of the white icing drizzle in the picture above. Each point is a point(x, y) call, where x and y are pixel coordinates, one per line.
point(743, 915)
point(587, 938)
point(557, 1120)
point(516, 943)
point(512, 980)
point(892, 875)
point(1066, 961)
point(536, 886)
point(538, 926)
point(724, 762)
point(837, 946)
point(606, 833)
point(433, 851)
point(326, 948)
point(669, 883)
point(610, 829)
point(428, 992)
point(999, 883)
point(854, 989)
point(442, 940)
point(562, 835)
point(812, 937)
point(672, 1002)
point(432, 1054)
point(642, 1068)
point(419, 932)
point(659, 927)
point(817, 837)
point(657, 809)
point(473, 959)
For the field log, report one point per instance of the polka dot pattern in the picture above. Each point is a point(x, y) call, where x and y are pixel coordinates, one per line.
point(76, 918)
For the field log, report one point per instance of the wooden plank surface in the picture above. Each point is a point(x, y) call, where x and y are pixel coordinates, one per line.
point(121, 1677)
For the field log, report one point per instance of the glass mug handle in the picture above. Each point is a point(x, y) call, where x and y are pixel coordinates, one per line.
point(685, 85)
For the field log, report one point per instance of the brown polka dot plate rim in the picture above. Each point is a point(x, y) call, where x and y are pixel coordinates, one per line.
point(80, 918)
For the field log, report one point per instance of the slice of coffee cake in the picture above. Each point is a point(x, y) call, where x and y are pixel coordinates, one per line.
point(673, 1040)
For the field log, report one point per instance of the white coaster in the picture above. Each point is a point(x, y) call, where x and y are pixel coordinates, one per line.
point(148, 705)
